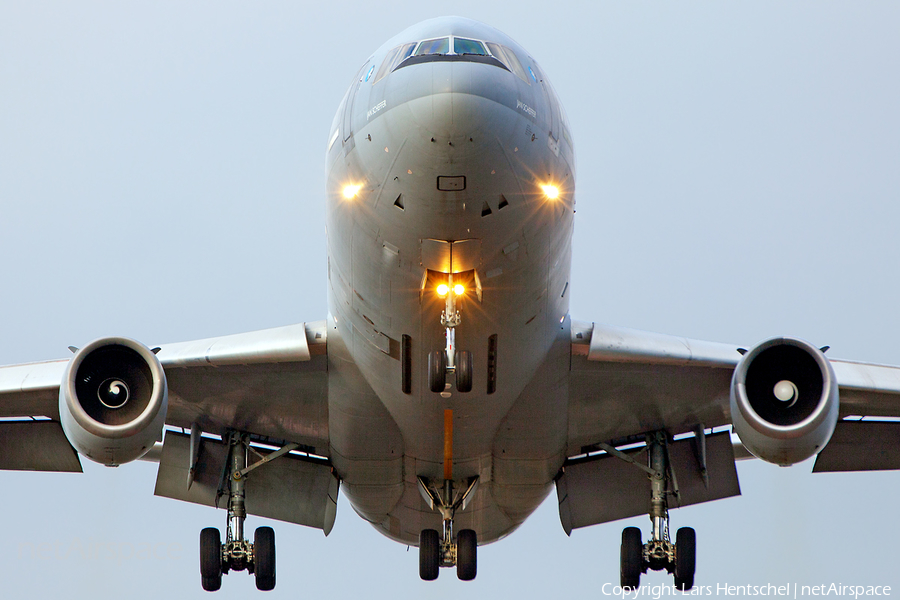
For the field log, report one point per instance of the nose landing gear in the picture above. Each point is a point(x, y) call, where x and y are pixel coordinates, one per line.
point(450, 360)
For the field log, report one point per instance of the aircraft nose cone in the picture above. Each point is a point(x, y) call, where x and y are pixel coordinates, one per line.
point(459, 121)
point(465, 110)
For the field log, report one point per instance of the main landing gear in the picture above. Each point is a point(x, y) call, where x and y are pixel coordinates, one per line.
point(437, 551)
point(450, 360)
point(238, 554)
point(659, 553)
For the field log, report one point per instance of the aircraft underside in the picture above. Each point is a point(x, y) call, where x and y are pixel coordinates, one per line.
point(448, 391)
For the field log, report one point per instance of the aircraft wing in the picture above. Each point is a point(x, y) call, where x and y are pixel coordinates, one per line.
point(625, 383)
point(270, 384)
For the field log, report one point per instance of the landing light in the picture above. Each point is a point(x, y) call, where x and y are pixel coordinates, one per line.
point(551, 191)
point(350, 191)
point(442, 289)
point(458, 289)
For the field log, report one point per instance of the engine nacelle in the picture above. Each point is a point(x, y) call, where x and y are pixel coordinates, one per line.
point(784, 401)
point(113, 400)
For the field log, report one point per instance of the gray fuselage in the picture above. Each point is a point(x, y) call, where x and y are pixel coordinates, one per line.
point(500, 126)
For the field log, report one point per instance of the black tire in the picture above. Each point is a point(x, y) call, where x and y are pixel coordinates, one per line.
point(463, 371)
point(437, 371)
point(211, 584)
point(429, 554)
point(632, 558)
point(264, 558)
point(685, 558)
point(210, 559)
point(466, 555)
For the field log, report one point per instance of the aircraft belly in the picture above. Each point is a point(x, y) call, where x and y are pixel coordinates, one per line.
point(490, 518)
point(511, 432)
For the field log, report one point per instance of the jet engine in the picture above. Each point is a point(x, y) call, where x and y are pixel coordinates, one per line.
point(113, 400)
point(784, 401)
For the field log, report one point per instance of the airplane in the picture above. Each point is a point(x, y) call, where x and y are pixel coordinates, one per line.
point(361, 353)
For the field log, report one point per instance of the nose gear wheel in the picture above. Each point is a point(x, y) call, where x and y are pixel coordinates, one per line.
point(450, 360)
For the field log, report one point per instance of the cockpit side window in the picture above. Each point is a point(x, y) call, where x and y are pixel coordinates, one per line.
point(465, 46)
point(437, 46)
point(508, 58)
point(394, 58)
point(386, 64)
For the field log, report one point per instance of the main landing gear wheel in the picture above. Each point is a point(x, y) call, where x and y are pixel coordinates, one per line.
point(659, 553)
point(466, 555)
point(685, 558)
point(632, 558)
point(237, 553)
point(210, 559)
point(437, 371)
point(264, 558)
point(429, 554)
point(463, 371)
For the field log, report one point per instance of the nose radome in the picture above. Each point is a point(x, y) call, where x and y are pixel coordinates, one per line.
point(461, 119)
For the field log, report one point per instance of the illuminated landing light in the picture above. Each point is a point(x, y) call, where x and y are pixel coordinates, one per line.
point(350, 191)
point(551, 191)
point(442, 289)
point(458, 289)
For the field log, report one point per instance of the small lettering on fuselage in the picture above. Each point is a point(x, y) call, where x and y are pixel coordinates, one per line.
point(375, 109)
point(526, 108)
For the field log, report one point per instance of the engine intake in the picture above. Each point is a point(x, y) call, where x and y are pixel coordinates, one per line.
point(113, 400)
point(784, 400)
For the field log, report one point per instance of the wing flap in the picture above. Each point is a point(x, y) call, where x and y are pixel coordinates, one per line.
point(36, 446)
point(861, 446)
point(607, 488)
point(287, 489)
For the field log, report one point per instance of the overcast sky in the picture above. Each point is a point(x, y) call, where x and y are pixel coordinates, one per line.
point(162, 176)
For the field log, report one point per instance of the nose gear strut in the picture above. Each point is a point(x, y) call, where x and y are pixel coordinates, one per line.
point(450, 360)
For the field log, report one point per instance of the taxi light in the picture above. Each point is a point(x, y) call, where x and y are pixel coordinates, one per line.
point(442, 289)
point(350, 191)
point(551, 191)
point(458, 289)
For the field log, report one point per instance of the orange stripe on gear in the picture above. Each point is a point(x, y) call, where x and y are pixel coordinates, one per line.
point(448, 444)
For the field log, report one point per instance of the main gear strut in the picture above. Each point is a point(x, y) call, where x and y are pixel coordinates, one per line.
point(436, 551)
point(237, 553)
point(659, 553)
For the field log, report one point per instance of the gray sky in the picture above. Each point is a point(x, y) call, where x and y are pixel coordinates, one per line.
point(162, 175)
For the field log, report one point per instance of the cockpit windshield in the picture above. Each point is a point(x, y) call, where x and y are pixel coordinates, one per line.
point(438, 46)
point(464, 46)
point(451, 48)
